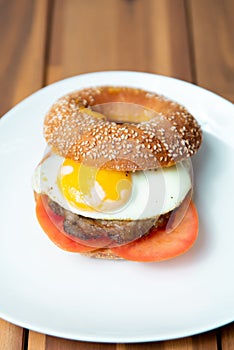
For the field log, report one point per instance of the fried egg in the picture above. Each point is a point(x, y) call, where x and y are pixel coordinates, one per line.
point(92, 189)
point(112, 195)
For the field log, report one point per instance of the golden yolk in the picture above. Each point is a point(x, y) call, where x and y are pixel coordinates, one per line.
point(93, 189)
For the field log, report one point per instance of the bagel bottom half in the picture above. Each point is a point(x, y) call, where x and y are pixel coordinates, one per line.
point(104, 253)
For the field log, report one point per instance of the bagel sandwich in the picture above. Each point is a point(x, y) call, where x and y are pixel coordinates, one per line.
point(116, 180)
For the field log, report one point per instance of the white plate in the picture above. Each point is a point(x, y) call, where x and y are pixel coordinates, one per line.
point(67, 295)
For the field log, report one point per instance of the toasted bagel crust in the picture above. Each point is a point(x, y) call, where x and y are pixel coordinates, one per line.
point(102, 254)
point(168, 134)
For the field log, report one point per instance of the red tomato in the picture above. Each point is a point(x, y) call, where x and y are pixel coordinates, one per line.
point(47, 218)
point(161, 244)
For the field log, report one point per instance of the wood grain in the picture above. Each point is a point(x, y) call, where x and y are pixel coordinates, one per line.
point(188, 39)
point(145, 35)
point(53, 343)
point(22, 38)
point(227, 337)
point(211, 32)
point(36, 341)
point(205, 341)
point(213, 44)
point(11, 336)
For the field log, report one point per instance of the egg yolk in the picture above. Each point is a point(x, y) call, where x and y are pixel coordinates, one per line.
point(93, 189)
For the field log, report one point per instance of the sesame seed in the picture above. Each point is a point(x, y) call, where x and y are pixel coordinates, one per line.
point(74, 132)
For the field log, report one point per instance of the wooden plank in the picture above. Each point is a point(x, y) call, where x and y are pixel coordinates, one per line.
point(11, 336)
point(227, 337)
point(142, 346)
point(213, 44)
point(212, 49)
point(53, 343)
point(207, 341)
point(22, 38)
point(148, 35)
point(36, 341)
point(145, 35)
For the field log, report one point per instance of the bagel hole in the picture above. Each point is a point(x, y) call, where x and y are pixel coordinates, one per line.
point(124, 112)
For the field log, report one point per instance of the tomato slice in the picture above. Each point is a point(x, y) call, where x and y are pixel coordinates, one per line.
point(162, 244)
point(46, 218)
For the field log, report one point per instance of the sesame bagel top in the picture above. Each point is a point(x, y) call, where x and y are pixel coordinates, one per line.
point(121, 128)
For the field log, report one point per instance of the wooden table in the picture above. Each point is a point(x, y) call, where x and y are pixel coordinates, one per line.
point(43, 41)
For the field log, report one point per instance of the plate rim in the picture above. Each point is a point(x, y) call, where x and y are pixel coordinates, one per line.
point(110, 339)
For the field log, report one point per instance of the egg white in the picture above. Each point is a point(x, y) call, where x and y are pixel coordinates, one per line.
point(154, 192)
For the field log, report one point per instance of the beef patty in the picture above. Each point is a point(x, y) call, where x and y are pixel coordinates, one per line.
point(119, 231)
